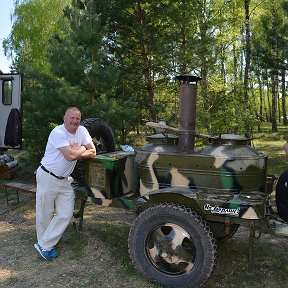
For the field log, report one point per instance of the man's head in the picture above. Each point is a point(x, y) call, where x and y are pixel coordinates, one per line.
point(72, 119)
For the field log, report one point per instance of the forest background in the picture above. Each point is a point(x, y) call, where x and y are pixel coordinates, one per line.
point(117, 60)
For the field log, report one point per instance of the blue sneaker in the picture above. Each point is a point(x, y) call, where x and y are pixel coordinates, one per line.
point(43, 252)
point(53, 253)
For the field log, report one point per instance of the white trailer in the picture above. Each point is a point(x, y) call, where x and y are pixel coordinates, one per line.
point(10, 111)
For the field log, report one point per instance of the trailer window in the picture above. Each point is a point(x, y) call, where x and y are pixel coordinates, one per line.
point(7, 92)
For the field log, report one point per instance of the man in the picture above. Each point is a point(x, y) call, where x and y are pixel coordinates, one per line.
point(66, 143)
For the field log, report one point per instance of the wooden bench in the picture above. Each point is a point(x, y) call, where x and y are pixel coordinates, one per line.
point(17, 187)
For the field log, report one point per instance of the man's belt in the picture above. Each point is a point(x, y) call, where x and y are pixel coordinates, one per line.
point(51, 173)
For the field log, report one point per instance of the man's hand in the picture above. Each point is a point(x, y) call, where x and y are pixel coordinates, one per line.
point(90, 151)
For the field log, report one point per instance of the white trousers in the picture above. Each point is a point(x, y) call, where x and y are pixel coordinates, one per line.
point(54, 208)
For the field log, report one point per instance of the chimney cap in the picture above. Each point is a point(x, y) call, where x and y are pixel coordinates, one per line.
point(188, 78)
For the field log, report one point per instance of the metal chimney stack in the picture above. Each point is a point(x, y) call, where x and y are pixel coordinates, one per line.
point(187, 112)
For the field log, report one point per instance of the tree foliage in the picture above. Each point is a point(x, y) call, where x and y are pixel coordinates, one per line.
point(120, 59)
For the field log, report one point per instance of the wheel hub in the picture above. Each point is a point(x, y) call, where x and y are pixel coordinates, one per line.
point(167, 252)
point(171, 249)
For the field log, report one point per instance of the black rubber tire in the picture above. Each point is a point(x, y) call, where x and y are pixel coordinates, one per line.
point(218, 229)
point(101, 133)
point(281, 195)
point(173, 246)
point(103, 139)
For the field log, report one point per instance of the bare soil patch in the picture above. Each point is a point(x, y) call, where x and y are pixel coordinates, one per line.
point(87, 259)
point(98, 256)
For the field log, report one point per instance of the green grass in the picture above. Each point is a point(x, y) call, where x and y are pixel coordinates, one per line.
point(270, 267)
point(75, 242)
point(103, 242)
point(271, 144)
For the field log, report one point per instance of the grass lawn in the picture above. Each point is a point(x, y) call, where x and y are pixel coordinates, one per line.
point(98, 257)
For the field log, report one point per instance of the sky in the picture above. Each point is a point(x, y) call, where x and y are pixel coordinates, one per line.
point(5, 29)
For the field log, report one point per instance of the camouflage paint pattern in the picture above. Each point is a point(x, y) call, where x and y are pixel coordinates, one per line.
point(227, 178)
point(110, 178)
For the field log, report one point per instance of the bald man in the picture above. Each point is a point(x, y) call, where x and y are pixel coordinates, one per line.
point(55, 196)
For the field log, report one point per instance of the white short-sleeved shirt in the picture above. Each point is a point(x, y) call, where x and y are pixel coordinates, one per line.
point(53, 159)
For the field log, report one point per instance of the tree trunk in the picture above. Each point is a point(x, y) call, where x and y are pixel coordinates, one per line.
point(283, 92)
point(247, 50)
point(247, 61)
point(268, 102)
point(235, 65)
point(274, 73)
point(274, 103)
point(146, 65)
point(260, 98)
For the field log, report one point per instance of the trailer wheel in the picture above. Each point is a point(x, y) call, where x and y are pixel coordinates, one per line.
point(172, 245)
point(103, 139)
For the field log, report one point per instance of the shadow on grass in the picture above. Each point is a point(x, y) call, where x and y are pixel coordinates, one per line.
point(114, 235)
point(269, 266)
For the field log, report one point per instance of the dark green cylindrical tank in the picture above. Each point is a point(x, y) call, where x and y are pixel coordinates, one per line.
point(228, 164)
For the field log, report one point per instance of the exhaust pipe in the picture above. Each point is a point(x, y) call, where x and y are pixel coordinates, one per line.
point(187, 112)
